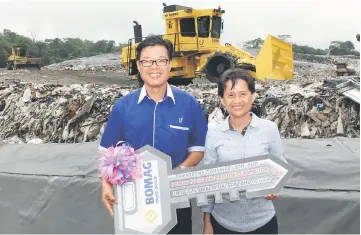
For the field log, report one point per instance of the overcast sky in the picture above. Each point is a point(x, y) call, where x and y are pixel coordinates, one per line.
point(311, 22)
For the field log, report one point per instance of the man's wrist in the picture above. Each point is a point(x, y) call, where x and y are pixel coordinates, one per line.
point(207, 217)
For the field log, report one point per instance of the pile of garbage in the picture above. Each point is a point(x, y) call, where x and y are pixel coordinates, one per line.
point(103, 62)
point(76, 113)
point(314, 110)
point(328, 59)
point(80, 67)
point(55, 113)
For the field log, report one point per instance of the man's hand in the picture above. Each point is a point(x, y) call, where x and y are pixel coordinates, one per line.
point(272, 196)
point(193, 159)
point(207, 227)
point(108, 198)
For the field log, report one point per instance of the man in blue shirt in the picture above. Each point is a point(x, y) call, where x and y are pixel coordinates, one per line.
point(158, 115)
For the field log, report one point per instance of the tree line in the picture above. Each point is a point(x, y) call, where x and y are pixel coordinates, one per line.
point(55, 50)
point(335, 47)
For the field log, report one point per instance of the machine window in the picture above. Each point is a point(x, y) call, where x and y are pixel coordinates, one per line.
point(188, 28)
point(22, 52)
point(203, 26)
point(216, 27)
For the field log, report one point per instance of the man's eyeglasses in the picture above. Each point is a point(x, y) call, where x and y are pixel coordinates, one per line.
point(149, 63)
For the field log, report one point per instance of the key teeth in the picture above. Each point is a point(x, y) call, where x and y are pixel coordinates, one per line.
point(202, 200)
point(218, 198)
point(234, 195)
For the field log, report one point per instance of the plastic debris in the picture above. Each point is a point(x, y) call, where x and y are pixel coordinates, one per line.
point(308, 106)
point(78, 113)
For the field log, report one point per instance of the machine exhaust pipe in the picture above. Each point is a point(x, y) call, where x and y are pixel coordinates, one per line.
point(137, 32)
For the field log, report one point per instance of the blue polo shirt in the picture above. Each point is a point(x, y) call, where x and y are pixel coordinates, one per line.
point(175, 126)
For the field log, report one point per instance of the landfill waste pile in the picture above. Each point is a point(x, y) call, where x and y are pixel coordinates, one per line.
point(41, 113)
point(103, 62)
point(351, 60)
point(40, 107)
point(313, 110)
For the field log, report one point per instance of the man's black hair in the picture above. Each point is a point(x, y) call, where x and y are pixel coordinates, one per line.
point(234, 75)
point(153, 40)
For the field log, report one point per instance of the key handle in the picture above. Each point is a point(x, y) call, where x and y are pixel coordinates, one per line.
point(144, 204)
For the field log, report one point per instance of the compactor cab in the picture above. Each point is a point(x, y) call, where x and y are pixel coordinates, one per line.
point(197, 51)
point(19, 59)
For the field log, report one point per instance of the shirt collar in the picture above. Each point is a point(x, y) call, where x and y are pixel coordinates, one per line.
point(143, 93)
point(225, 125)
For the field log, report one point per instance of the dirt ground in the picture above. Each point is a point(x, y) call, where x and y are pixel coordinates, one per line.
point(67, 77)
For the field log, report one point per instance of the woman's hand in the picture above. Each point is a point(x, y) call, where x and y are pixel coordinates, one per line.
point(272, 196)
point(207, 227)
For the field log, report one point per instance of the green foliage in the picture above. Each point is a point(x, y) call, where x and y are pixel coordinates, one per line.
point(335, 48)
point(56, 50)
point(2, 55)
point(342, 48)
point(308, 50)
point(254, 44)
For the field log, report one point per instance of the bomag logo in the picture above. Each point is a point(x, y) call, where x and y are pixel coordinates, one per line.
point(148, 183)
point(171, 14)
point(150, 216)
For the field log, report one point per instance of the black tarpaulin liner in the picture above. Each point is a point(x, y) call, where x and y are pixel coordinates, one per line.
point(54, 188)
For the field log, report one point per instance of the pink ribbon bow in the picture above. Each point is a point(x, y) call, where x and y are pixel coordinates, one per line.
point(119, 164)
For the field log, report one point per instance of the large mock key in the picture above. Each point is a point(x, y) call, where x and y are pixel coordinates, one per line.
point(148, 205)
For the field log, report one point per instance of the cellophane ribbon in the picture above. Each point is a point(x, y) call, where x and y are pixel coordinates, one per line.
point(119, 164)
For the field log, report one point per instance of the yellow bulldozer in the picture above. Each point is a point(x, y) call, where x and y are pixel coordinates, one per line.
point(198, 53)
point(20, 59)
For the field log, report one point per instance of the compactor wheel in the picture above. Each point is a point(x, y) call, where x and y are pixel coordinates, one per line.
point(9, 66)
point(216, 65)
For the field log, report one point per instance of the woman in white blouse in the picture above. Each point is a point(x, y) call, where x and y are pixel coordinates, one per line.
point(241, 135)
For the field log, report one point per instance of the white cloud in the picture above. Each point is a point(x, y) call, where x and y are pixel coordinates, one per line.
point(311, 22)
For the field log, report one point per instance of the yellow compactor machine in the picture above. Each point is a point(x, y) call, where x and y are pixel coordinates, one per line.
point(197, 51)
point(20, 59)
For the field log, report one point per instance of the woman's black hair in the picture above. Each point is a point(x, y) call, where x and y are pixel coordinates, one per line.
point(233, 75)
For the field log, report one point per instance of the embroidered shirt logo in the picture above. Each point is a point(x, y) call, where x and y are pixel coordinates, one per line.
point(180, 120)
